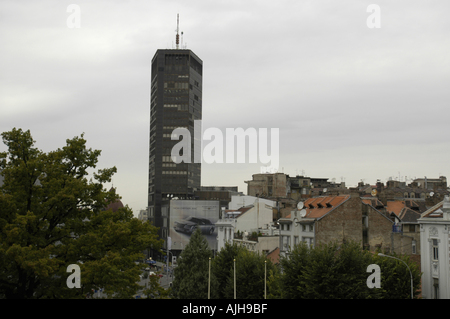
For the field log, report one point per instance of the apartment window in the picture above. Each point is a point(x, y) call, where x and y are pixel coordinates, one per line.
point(435, 250)
point(303, 227)
point(308, 241)
point(414, 249)
point(412, 228)
point(286, 242)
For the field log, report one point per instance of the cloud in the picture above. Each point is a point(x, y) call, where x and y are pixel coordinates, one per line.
point(348, 100)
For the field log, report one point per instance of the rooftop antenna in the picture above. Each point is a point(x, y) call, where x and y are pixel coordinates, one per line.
point(178, 36)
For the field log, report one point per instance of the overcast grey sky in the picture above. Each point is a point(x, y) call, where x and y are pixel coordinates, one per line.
point(351, 102)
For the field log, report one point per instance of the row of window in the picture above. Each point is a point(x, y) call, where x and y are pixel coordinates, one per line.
point(168, 159)
point(286, 242)
point(305, 228)
point(175, 172)
point(173, 127)
point(171, 136)
point(176, 85)
point(180, 107)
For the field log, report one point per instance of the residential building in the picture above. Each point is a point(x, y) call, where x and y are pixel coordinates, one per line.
point(280, 185)
point(256, 218)
point(268, 185)
point(406, 214)
point(238, 201)
point(435, 251)
point(430, 191)
point(431, 183)
point(343, 218)
point(176, 102)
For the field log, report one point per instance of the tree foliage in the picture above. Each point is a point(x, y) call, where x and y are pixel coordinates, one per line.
point(192, 273)
point(250, 273)
point(339, 271)
point(222, 266)
point(154, 289)
point(51, 216)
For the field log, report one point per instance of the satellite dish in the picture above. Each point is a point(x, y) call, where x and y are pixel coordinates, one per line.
point(303, 213)
point(300, 205)
point(431, 194)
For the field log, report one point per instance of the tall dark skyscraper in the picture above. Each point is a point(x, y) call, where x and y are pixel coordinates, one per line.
point(176, 102)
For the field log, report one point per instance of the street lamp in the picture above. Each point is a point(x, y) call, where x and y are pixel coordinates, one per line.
point(383, 255)
point(167, 261)
point(265, 276)
point(234, 261)
point(209, 279)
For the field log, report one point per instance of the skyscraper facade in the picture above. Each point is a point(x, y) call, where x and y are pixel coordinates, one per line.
point(176, 102)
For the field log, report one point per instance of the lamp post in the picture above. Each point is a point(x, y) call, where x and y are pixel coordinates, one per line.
point(167, 261)
point(209, 279)
point(265, 281)
point(383, 255)
point(234, 260)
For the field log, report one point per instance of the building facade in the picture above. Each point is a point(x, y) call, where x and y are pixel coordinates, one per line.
point(175, 103)
point(343, 218)
point(435, 251)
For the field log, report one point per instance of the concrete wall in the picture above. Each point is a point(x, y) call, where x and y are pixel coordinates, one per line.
point(259, 216)
point(379, 229)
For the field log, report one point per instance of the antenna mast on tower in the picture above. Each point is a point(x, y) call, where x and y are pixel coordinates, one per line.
point(177, 36)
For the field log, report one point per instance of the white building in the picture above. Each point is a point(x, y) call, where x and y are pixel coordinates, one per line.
point(435, 252)
point(295, 228)
point(225, 229)
point(238, 201)
point(254, 218)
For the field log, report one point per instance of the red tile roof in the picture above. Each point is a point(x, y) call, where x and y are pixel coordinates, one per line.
point(317, 207)
point(274, 255)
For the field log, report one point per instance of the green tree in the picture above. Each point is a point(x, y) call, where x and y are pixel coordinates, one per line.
point(396, 278)
point(250, 274)
point(192, 273)
point(51, 216)
point(339, 271)
point(293, 266)
point(154, 289)
point(274, 284)
point(222, 266)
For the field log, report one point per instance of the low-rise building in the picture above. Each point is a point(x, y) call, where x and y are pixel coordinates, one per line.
point(256, 218)
point(342, 218)
point(435, 251)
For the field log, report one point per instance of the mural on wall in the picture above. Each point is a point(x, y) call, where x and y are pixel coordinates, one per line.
point(188, 215)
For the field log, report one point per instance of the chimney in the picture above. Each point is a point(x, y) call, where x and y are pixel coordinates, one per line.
point(354, 192)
